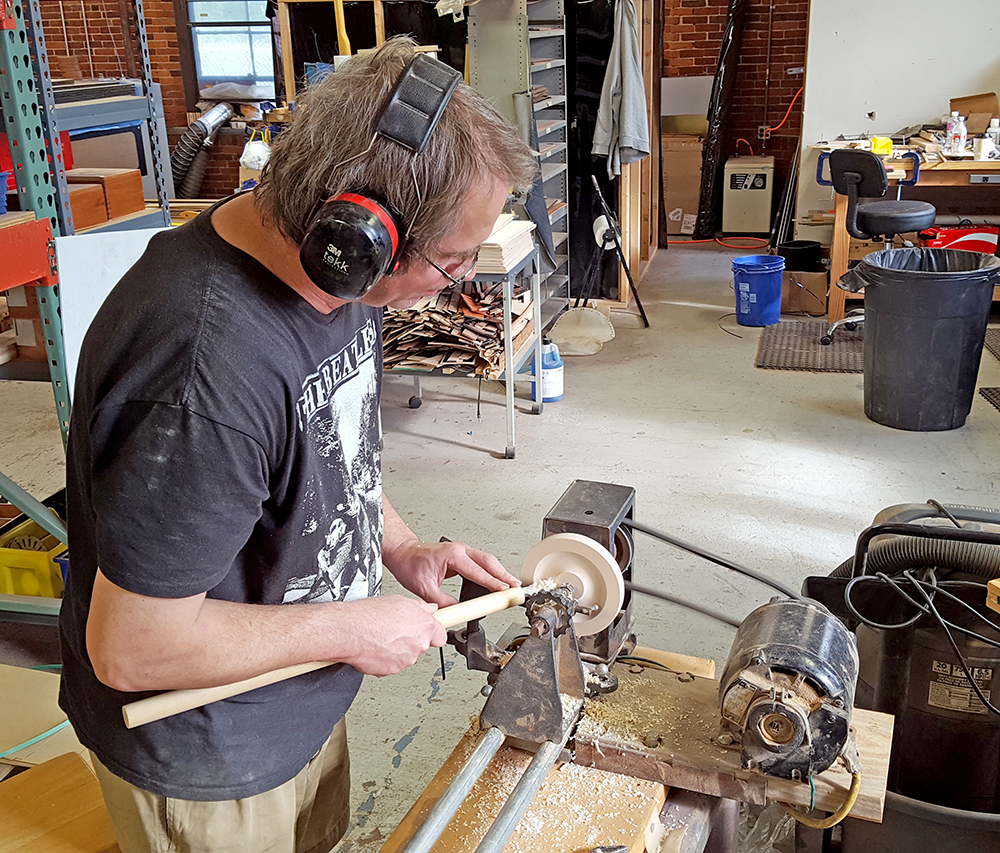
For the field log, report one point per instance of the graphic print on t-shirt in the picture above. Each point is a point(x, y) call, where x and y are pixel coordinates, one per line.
point(338, 410)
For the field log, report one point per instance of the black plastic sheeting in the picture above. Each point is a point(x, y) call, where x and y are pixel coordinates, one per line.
point(589, 36)
point(713, 163)
point(921, 266)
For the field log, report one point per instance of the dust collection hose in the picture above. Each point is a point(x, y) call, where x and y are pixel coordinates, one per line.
point(904, 552)
point(191, 185)
point(193, 141)
point(185, 152)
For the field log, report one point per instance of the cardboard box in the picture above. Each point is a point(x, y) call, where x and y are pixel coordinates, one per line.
point(681, 164)
point(108, 150)
point(122, 188)
point(978, 110)
point(803, 292)
point(248, 175)
point(86, 201)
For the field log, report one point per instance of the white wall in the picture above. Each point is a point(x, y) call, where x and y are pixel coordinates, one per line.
point(900, 61)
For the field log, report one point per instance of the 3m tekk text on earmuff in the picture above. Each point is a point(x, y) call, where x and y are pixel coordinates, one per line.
point(355, 238)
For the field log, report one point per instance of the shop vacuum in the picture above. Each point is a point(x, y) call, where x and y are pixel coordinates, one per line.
point(914, 593)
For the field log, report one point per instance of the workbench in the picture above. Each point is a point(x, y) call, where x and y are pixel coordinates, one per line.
point(950, 173)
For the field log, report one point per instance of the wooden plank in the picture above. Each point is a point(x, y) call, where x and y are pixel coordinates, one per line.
point(577, 808)
point(993, 591)
point(287, 66)
point(31, 707)
point(683, 716)
point(681, 663)
point(56, 807)
point(17, 217)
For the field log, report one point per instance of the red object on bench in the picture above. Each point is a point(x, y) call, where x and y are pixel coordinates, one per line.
point(970, 238)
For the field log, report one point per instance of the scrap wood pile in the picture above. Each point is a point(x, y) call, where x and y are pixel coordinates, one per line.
point(456, 332)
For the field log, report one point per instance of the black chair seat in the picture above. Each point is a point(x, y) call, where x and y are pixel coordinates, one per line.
point(894, 217)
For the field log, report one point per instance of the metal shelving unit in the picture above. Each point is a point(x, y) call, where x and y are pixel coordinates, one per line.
point(514, 360)
point(515, 46)
point(33, 123)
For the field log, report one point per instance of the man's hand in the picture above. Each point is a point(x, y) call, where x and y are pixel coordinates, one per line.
point(421, 567)
point(392, 633)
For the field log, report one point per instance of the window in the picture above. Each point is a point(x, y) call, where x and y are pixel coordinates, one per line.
point(230, 43)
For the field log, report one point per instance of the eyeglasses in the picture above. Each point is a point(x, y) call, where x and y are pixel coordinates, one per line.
point(459, 280)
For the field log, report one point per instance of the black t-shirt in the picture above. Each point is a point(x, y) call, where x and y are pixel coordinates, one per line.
point(225, 438)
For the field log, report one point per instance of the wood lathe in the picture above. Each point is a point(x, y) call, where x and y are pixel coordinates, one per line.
point(572, 690)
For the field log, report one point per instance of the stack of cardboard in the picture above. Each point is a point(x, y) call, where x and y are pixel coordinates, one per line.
point(455, 332)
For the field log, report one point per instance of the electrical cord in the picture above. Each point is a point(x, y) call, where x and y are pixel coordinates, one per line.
point(928, 608)
point(871, 623)
point(712, 558)
point(937, 587)
point(837, 816)
point(958, 653)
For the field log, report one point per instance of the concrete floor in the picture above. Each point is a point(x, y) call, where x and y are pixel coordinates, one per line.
point(778, 470)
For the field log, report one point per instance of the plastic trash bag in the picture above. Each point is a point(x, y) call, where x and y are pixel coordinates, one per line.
point(767, 830)
point(921, 266)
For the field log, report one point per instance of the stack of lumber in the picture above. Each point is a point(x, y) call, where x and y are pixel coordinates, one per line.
point(927, 142)
point(510, 241)
point(455, 332)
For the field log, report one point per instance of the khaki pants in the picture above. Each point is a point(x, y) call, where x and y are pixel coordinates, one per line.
point(308, 814)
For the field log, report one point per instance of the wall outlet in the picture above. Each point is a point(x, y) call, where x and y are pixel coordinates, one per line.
point(762, 131)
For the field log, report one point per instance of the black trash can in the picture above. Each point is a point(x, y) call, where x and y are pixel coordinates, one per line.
point(926, 312)
point(802, 255)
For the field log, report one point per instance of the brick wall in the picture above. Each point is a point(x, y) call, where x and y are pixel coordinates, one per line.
point(693, 32)
point(105, 57)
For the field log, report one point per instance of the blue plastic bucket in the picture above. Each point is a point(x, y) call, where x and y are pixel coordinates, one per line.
point(757, 281)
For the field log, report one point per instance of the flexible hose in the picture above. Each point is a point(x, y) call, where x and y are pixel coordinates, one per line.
point(837, 816)
point(185, 151)
point(191, 185)
point(904, 553)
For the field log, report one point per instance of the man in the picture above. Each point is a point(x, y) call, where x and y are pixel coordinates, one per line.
point(224, 464)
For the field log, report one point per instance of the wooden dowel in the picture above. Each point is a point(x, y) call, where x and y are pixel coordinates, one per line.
point(177, 701)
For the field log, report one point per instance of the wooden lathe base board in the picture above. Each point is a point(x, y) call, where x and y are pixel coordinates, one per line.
point(615, 789)
point(577, 808)
point(678, 715)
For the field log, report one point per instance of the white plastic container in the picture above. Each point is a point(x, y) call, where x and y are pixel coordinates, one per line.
point(993, 131)
point(552, 373)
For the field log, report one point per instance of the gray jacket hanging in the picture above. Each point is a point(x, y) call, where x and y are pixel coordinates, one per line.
point(622, 131)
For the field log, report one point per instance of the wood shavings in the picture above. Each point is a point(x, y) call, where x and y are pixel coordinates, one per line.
point(543, 585)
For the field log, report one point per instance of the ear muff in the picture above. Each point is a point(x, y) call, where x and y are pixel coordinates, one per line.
point(354, 240)
point(351, 243)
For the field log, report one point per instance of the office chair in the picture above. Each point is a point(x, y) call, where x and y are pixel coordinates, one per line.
point(860, 175)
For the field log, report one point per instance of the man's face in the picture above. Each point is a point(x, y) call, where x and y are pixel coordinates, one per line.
point(456, 254)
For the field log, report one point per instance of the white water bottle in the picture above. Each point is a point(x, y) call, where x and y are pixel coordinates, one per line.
point(993, 131)
point(957, 137)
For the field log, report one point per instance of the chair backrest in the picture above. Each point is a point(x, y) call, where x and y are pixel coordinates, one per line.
point(860, 169)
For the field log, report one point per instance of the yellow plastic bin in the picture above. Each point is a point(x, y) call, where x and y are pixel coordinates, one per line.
point(30, 569)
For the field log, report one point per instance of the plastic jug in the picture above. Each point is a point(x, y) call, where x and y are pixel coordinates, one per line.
point(552, 373)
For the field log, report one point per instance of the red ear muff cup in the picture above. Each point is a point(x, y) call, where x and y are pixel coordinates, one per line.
point(351, 243)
